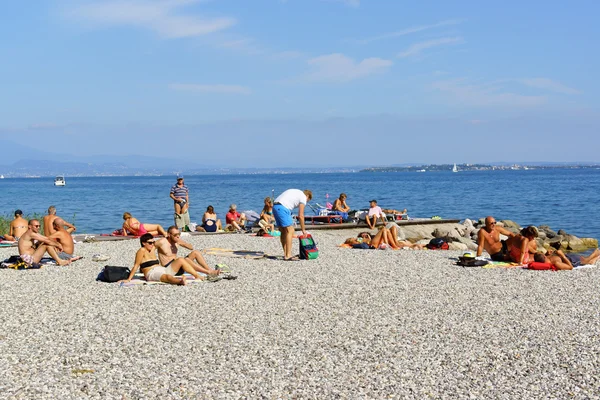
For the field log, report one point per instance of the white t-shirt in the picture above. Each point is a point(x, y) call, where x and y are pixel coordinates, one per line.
point(375, 211)
point(291, 198)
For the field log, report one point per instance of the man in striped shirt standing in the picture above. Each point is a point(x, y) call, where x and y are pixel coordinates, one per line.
point(181, 198)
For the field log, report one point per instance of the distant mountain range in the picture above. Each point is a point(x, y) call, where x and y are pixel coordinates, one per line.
point(23, 161)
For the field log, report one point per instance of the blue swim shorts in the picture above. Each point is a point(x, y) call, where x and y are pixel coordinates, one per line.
point(283, 216)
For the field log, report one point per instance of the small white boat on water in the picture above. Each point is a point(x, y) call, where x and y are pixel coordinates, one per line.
point(60, 181)
point(1, 176)
point(454, 169)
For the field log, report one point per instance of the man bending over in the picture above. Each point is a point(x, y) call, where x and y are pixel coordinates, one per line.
point(33, 246)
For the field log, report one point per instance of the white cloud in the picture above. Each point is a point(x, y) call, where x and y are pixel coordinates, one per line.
point(163, 17)
point(461, 91)
point(337, 67)
point(417, 48)
point(408, 31)
point(225, 89)
point(550, 85)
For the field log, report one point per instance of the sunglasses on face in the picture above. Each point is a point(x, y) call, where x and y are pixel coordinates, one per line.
point(36, 226)
point(150, 243)
point(176, 234)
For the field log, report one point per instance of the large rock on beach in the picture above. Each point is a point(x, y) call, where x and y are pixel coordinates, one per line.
point(457, 246)
point(448, 233)
point(471, 245)
point(508, 224)
point(547, 231)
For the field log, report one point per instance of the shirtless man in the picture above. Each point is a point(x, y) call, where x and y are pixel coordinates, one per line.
point(340, 207)
point(167, 252)
point(65, 239)
point(49, 219)
point(564, 261)
point(33, 246)
point(488, 238)
point(18, 227)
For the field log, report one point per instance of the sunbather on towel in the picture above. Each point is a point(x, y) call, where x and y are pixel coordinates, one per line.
point(136, 228)
point(18, 227)
point(145, 259)
point(518, 245)
point(33, 246)
point(385, 237)
point(564, 261)
point(167, 252)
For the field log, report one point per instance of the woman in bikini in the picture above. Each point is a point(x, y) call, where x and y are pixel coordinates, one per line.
point(266, 216)
point(145, 259)
point(210, 222)
point(136, 228)
point(519, 245)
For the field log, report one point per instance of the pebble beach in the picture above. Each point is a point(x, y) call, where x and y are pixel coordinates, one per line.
point(350, 324)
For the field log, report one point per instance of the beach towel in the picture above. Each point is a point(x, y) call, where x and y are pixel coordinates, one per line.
point(15, 262)
point(139, 279)
point(217, 251)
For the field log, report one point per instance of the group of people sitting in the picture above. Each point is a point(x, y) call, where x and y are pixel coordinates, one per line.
point(56, 239)
point(159, 261)
point(522, 247)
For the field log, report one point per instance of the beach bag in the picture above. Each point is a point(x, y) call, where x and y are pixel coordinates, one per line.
point(437, 244)
point(308, 247)
point(471, 262)
point(113, 274)
point(538, 266)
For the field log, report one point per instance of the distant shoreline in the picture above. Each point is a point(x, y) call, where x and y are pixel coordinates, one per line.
point(288, 171)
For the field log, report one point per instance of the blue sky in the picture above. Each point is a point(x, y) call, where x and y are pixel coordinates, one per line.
point(303, 82)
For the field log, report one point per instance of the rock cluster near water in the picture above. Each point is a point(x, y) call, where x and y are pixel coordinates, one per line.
point(463, 236)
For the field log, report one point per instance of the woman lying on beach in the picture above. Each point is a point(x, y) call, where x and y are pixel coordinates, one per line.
point(210, 222)
point(145, 258)
point(385, 237)
point(519, 245)
point(136, 228)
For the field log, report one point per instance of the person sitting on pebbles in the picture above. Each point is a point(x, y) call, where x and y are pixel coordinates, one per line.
point(18, 227)
point(145, 259)
point(488, 238)
point(234, 219)
point(167, 253)
point(62, 236)
point(33, 246)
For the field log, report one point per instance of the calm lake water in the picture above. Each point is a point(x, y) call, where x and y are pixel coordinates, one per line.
point(561, 198)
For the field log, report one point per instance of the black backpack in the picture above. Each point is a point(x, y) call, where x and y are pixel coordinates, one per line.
point(113, 274)
point(437, 244)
